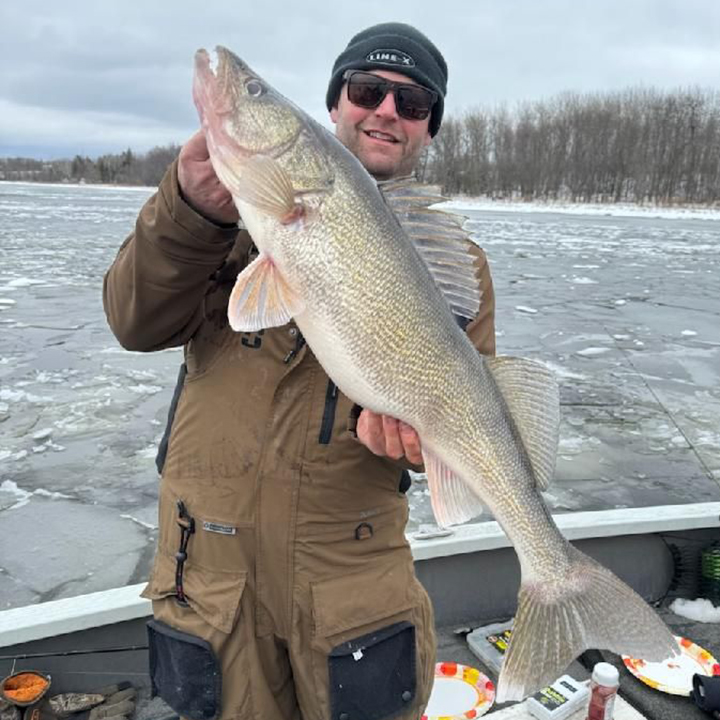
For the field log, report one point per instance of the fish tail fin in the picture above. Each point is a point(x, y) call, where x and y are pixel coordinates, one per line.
point(557, 621)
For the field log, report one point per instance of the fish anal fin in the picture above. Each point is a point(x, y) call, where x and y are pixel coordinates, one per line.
point(532, 396)
point(452, 500)
point(261, 298)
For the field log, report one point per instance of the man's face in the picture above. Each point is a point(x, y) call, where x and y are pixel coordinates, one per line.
point(385, 143)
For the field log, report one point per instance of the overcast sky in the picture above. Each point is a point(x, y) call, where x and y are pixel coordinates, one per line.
point(94, 76)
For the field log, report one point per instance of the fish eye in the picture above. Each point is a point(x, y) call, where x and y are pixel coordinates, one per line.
point(255, 88)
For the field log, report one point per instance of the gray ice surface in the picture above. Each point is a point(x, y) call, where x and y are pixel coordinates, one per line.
point(626, 311)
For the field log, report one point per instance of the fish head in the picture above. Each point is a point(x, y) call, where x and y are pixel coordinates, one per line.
point(241, 114)
point(253, 132)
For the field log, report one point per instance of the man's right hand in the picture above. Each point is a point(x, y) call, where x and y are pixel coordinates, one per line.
point(389, 437)
point(199, 184)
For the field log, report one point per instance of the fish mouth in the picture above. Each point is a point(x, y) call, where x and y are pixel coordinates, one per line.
point(214, 102)
point(211, 81)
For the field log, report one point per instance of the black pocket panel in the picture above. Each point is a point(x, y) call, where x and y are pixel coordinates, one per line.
point(373, 677)
point(184, 672)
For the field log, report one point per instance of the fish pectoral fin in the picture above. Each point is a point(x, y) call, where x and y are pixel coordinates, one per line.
point(267, 187)
point(453, 502)
point(261, 298)
point(533, 398)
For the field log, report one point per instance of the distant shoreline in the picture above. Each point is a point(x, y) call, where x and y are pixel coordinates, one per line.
point(624, 209)
point(485, 204)
point(119, 186)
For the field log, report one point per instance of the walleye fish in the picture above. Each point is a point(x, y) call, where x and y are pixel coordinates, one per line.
point(375, 300)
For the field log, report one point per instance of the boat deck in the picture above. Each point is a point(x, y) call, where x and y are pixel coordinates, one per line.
point(89, 671)
point(652, 704)
point(472, 577)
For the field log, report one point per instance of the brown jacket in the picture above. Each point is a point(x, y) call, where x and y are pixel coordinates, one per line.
point(297, 543)
point(169, 286)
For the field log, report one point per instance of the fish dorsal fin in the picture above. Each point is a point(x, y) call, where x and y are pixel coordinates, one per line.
point(452, 500)
point(533, 398)
point(261, 298)
point(440, 239)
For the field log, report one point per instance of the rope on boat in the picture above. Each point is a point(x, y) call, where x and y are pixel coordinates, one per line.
point(67, 653)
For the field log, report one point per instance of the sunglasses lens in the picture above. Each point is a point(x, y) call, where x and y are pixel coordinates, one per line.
point(366, 91)
point(412, 101)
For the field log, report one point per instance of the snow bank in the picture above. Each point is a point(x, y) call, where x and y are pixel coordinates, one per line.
point(569, 208)
point(699, 610)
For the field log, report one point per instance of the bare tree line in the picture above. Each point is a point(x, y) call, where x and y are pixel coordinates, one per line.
point(637, 145)
point(124, 168)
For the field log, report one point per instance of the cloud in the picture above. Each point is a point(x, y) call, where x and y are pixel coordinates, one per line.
point(117, 73)
point(81, 132)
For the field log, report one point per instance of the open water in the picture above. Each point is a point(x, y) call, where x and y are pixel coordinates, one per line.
point(625, 310)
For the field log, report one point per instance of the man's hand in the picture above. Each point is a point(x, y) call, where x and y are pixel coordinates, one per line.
point(199, 184)
point(386, 436)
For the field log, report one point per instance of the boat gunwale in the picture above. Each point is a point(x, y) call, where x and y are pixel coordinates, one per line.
point(58, 617)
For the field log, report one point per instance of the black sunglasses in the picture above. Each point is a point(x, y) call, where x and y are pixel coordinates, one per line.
point(413, 102)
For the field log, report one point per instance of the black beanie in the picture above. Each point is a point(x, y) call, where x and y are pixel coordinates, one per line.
point(397, 47)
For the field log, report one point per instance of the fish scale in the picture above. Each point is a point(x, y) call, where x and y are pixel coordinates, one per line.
point(361, 287)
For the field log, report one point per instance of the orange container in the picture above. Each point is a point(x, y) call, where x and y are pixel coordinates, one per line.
point(24, 688)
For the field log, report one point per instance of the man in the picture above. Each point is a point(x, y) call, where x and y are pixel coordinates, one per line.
point(283, 585)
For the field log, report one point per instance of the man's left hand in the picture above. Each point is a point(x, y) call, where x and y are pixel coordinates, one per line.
point(388, 437)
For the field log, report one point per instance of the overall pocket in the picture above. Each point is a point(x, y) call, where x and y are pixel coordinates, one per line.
point(373, 643)
point(214, 596)
point(198, 638)
point(184, 672)
point(374, 676)
point(213, 575)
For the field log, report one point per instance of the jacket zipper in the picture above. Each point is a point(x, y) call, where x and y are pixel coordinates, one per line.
point(331, 398)
point(299, 342)
point(164, 443)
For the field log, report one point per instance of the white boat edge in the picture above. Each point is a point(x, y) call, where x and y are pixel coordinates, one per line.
point(59, 617)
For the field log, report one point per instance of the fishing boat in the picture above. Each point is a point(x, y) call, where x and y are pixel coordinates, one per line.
point(471, 574)
point(586, 294)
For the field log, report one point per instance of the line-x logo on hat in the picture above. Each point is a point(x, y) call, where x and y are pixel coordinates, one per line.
point(390, 57)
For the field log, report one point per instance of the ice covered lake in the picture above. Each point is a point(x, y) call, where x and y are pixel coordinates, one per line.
point(624, 308)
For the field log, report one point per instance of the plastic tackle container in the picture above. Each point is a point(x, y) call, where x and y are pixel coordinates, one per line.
point(490, 642)
point(559, 700)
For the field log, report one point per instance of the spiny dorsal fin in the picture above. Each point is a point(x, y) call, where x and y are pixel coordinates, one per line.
point(440, 239)
point(533, 398)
